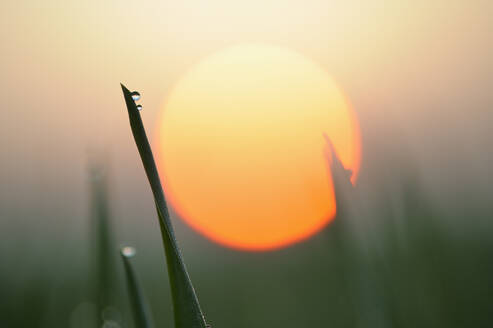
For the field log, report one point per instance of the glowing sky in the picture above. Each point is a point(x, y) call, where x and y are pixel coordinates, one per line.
point(416, 69)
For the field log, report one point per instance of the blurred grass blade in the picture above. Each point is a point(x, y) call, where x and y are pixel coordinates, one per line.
point(341, 177)
point(340, 229)
point(103, 253)
point(141, 312)
point(186, 307)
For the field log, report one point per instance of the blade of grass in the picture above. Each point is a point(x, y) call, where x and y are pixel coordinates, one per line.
point(341, 233)
point(341, 177)
point(140, 309)
point(186, 306)
point(104, 269)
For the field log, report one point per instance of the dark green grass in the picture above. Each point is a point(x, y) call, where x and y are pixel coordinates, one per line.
point(141, 312)
point(186, 306)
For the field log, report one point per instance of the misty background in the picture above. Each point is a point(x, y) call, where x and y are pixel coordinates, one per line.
point(419, 76)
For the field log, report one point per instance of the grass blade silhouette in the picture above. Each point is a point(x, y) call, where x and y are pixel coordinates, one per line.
point(186, 306)
point(341, 177)
point(140, 309)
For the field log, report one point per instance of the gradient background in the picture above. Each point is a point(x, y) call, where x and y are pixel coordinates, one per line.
point(418, 74)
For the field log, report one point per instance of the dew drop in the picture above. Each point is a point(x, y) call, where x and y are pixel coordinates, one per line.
point(135, 95)
point(139, 107)
point(128, 251)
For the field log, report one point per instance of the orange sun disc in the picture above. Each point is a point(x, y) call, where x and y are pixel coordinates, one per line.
point(241, 147)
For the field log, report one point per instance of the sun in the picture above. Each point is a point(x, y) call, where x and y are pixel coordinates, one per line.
point(241, 147)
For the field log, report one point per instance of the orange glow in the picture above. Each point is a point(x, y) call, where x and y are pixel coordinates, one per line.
point(241, 147)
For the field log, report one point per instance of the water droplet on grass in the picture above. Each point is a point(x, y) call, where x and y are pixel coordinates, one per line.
point(139, 107)
point(135, 95)
point(128, 251)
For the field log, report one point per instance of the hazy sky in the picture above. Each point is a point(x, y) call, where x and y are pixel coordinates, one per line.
point(415, 71)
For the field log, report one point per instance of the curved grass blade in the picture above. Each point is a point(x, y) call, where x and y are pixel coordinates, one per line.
point(140, 309)
point(186, 306)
